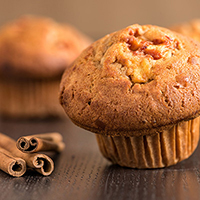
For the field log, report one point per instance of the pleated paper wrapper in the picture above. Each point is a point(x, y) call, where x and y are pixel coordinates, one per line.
point(152, 151)
point(30, 98)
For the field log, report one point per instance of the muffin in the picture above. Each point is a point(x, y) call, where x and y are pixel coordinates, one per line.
point(138, 90)
point(190, 29)
point(34, 52)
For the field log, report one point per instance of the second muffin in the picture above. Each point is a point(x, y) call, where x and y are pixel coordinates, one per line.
point(190, 29)
point(34, 52)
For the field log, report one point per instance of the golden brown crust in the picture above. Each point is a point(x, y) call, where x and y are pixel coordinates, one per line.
point(137, 81)
point(38, 47)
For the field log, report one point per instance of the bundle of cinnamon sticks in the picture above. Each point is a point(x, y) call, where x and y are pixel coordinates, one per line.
point(16, 157)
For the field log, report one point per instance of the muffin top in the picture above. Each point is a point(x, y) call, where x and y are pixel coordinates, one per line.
point(191, 29)
point(136, 81)
point(38, 47)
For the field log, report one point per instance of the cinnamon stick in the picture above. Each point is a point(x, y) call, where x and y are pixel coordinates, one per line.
point(41, 142)
point(10, 164)
point(40, 162)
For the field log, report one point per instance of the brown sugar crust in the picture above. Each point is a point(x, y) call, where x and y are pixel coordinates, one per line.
point(136, 81)
point(191, 29)
point(38, 47)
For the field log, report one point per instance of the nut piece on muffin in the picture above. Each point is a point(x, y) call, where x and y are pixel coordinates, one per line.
point(138, 89)
point(190, 29)
point(34, 52)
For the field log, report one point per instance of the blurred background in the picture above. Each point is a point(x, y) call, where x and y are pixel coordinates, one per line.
point(97, 18)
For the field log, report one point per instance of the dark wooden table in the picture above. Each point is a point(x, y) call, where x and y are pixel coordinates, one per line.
point(82, 173)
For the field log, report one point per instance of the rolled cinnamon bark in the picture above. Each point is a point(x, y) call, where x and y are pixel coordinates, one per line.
point(10, 164)
point(41, 142)
point(40, 162)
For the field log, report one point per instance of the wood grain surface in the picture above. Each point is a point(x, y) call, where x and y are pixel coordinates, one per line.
point(82, 173)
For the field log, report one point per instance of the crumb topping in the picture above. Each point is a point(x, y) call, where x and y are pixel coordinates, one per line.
point(138, 49)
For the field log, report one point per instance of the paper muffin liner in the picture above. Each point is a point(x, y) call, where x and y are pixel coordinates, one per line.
point(152, 151)
point(30, 98)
